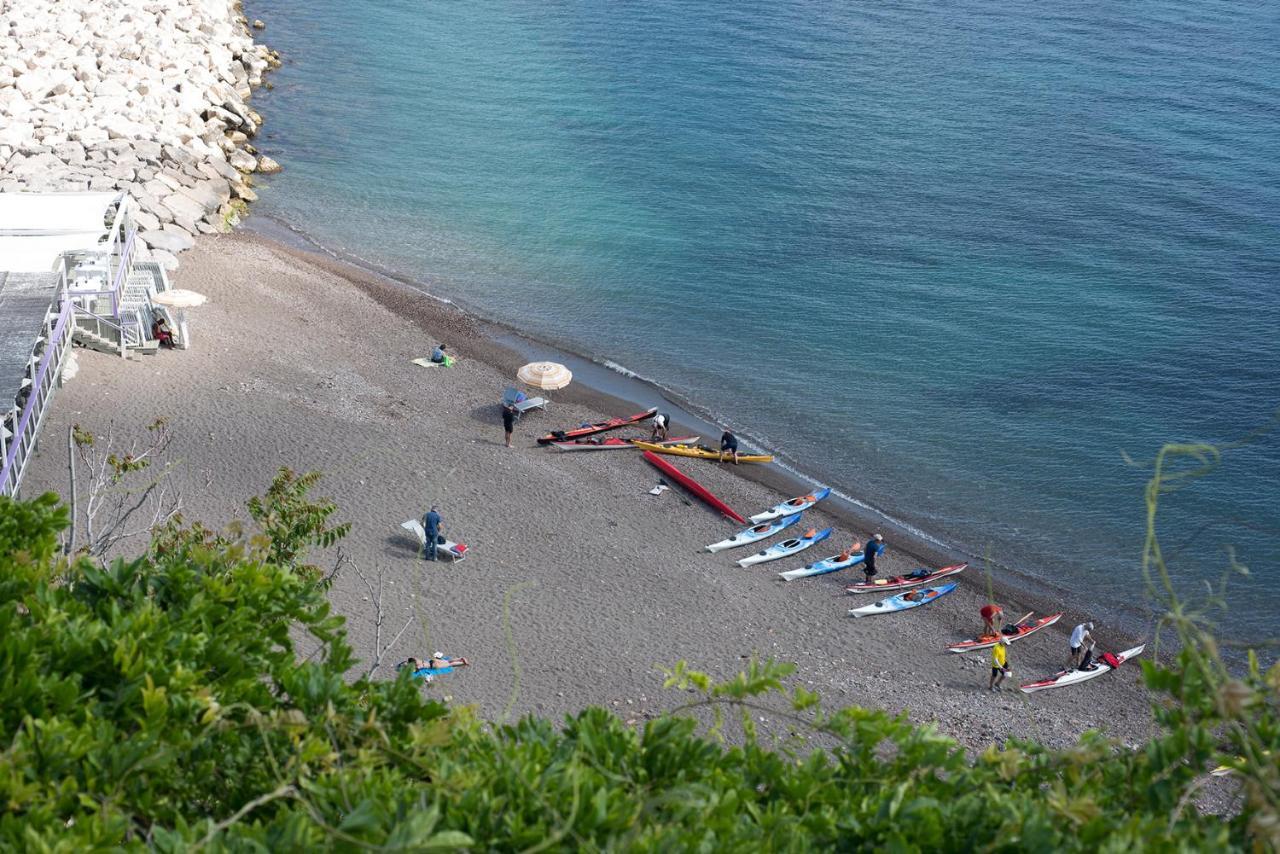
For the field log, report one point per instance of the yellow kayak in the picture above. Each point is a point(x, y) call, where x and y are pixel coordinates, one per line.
point(703, 453)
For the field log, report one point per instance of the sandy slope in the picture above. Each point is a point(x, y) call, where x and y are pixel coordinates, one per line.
point(294, 364)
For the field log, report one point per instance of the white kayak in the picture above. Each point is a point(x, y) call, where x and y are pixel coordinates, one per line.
point(1074, 677)
point(822, 567)
point(786, 548)
point(795, 505)
point(754, 535)
point(903, 601)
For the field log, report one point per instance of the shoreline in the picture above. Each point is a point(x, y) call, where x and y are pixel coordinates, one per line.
point(579, 585)
point(606, 389)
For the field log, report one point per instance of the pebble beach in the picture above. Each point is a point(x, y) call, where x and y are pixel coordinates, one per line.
point(580, 585)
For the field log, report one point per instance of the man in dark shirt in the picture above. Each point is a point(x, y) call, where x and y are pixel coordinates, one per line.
point(729, 444)
point(874, 547)
point(431, 524)
point(508, 420)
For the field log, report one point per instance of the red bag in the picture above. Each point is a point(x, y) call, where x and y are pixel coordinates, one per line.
point(1109, 660)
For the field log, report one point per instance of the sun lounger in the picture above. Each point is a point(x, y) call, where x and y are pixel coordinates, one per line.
point(532, 403)
point(454, 551)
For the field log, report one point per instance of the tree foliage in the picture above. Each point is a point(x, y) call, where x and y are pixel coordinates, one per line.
point(160, 702)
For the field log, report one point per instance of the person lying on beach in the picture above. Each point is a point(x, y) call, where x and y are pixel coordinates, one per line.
point(989, 614)
point(437, 665)
point(869, 553)
point(729, 444)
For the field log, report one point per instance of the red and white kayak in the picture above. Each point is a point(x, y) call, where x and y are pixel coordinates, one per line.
point(692, 485)
point(795, 505)
point(613, 443)
point(902, 582)
point(1063, 678)
point(598, 427)
point(1026, 626)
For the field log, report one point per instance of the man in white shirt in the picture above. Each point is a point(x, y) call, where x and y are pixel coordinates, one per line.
point(1079, 637)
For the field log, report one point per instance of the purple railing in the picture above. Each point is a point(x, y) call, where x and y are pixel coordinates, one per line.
point(122, 273)
point(34, 402)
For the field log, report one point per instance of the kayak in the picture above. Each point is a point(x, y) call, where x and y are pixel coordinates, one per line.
point(754, 535)
point(786, 548)
point(692, 485)
point(703, 453)
point(1063, 678)
point(795, 505)
point(1026, 626)
point(902, 582)
point(902, 603)
point(612, 443)
point(598, 427)
point(822, 567)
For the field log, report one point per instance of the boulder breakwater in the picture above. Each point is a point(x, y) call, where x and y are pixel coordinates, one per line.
point(140, 95)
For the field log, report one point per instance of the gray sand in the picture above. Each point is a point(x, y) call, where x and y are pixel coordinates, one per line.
point(300, 362)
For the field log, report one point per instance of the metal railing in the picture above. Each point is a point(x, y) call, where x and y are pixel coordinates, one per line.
point(94, 323)
point(17, 448)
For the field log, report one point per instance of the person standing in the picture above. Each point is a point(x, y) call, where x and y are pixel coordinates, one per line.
point(1080, 636)
point(509, 415)
point(989, 614)
point(660, 423)
point(431, 525)
point(999, 664)
point(874, 547)
point(729, 444)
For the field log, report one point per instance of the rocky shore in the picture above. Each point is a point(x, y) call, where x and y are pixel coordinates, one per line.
point(148, 96)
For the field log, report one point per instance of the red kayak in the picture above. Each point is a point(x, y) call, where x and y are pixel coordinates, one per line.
point(692, 485)
point(1025, 626)
point(901, 582)
point(598, 427)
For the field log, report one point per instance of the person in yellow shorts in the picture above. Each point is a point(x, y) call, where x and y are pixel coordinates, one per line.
point(999, 664)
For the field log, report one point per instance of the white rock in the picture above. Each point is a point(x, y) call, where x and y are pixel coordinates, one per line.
point(171, 239)
point(164, 259)
point(268, 166)
point(243, 161)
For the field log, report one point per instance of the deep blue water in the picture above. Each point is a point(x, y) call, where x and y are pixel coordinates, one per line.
point(955, 258)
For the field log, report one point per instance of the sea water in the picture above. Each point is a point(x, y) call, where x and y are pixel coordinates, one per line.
point(961, 260)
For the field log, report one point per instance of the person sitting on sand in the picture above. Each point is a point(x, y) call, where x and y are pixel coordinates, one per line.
point(438, 356)
point(999, 664)
point(660, 422)
point(869, 556)
point(160, 332)
point(989, 615)
point(729, 444)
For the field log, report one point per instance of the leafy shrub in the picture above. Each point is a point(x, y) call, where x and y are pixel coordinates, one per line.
point(161, 702)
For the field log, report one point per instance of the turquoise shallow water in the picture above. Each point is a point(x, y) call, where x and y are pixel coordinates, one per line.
point(956, 259)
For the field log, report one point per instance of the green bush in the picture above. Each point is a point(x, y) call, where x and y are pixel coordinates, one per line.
point(161, 702)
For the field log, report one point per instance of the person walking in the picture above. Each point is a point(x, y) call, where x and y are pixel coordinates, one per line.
point(509, 415)
point(1080, 636)
point(989, 614)
point(874, 547)
point(431, 525)
point(729, 444)
point(999, 664)
point(661, 422)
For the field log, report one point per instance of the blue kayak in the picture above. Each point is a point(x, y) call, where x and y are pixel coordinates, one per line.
point(904, 601)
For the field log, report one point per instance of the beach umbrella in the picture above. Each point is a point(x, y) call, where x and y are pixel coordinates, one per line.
point(179, 298)
point(548, 376)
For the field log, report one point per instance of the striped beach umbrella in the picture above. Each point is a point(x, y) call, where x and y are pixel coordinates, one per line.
point(548, 376)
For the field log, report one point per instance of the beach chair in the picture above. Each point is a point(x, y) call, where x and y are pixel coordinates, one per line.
point(522, 404)
point(454, 551)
